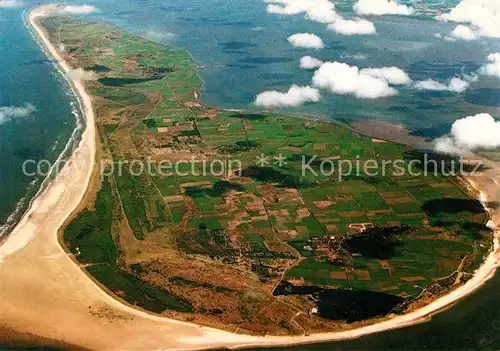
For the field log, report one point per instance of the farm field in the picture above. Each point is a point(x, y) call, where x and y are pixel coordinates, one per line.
point(234, 208)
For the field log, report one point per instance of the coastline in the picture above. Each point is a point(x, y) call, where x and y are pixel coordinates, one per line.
point(36, 234)
point(37, 186)
point(79, 156)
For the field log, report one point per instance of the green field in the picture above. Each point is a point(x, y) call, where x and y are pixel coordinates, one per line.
point(89, 238)
point(269, 220)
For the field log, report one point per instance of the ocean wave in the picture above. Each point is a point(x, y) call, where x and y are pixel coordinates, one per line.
point(71, 145)
point(13, 217)
point(11, 220)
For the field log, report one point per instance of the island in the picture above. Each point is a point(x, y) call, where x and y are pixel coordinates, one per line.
point(208, 234)
point(248, 221)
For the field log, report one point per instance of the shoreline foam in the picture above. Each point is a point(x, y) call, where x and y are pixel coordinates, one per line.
point(24, 204)
point(87, 139)
point(44, 302)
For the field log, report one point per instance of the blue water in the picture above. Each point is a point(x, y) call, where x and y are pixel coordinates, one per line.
point(243, 51)
point(27, 77)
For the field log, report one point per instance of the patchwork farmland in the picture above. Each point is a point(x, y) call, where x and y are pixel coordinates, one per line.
point(266, 241)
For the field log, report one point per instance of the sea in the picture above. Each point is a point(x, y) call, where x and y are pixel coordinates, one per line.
point(242, 50)
point(44, 123)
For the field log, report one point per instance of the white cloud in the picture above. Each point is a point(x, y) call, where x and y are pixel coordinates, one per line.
point(492, 68)
point(159, 36)
point(7, 113)
point(356, 56)
point(381, 7)
point(471, 133)
point(81, 74)
point(306, 40)
point(322, 11)
point(295, 96)
point(445, 37)
point(323, 15)
point(357, 26)
point(283, 7)
point(10, 4)
point(77, 10)
point(455, 84)
point(483, 15)
point(445, 145)
point(309, 62)
point(392, 75)
point(340, 78)
point(463, 32)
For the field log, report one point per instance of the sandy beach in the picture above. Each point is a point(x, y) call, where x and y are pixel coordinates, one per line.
point(45, 294)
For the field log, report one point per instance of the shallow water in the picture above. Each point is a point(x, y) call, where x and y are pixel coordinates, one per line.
point(244, 51)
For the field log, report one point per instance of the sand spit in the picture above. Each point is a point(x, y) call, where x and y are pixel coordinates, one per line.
point(45, 293)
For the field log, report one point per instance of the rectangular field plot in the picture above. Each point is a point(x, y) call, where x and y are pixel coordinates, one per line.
point(320, 273)
point(275, 222)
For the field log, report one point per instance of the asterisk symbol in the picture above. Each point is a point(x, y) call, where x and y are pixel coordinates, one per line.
point(262, 160)
point(280, 160)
